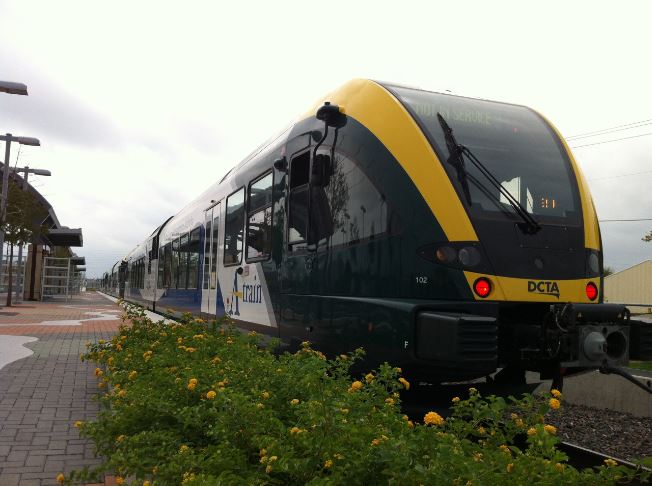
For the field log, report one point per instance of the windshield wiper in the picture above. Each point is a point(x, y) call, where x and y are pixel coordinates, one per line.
point(457, 152)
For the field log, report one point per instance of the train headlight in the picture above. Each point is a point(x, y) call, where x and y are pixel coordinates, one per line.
point(445, 254)
point(593, 264)
point(469, 256)
point(591, 291)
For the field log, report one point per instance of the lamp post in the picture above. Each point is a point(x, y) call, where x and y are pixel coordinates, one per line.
point(13, 88)
point(8, 138)
point(26, 171)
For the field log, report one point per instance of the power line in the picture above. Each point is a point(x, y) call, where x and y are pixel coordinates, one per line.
point(618, 128)
point(613, 140)
point(622, 220)
point(619, 175)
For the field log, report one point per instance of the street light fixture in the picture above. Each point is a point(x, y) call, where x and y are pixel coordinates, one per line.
point(13, 88)
point(8, 138)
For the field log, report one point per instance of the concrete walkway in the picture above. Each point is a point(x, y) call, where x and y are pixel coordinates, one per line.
point(45, 388)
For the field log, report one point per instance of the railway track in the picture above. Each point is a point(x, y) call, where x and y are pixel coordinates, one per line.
point(580, 458)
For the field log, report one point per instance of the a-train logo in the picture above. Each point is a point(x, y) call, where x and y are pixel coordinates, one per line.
point(543, 287)
point(252, 294)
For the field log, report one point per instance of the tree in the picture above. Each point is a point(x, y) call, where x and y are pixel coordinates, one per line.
point(22, 223)
point(608, 271)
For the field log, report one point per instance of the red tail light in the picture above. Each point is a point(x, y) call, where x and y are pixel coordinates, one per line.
point(482, 287)
point(591, 291)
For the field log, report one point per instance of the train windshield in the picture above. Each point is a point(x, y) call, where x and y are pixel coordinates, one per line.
point(514, 144)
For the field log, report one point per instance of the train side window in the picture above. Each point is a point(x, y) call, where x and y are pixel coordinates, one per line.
point(167, 266)
point(234, 228)
point(216, 229)
point(175, 264)
point(183, 262)
point(299, 178)
point(259, 222)
point(161, 267)
point(193, 258)
point(207, 254)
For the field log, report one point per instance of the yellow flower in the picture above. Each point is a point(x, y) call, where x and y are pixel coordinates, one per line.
point(344, 410)
point(120, 438)
point(294, 401)
point(369, 377)
point(477, 456)
point(473, 391)
point(455, 399)
point(101, 385)
point(410, 424)
point(146, 483)
point(268, 469)
point(61, 478)
point(230, 341)
point(263, 452)
point(98, 372)
point(216, 360)
point(111, 361)
point(375, 442)
point(559, 467)
point(610, 462)
point(355, 386)
point(551, 429)
point(191, 386)
point(328, 464)
point(531, 431)
point(211, 395)
point(265, 395)
point(273, 458)
point(482, 430)
point(79, 423)
point(295, 430)
point(118, 347)
point(253, 334)
point(554, 403)
point(263, 459)
point(183, 449)
point(506, 450)
point(398, 370)
point(198, 336)
point(260, 406)
point(133, 375)
point(123, 338)
point(519, 422)
point(404, 382)
point(555, 393)
point(179, 340)
point(193, 381)
point(101, 341)
point(433, 418)
point(119, 480)
point(510, 467)
point(122, 393)
point(344, 357)
point(389, 401)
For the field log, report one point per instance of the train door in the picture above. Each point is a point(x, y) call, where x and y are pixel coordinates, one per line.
point(301, 271)
point(209, 294)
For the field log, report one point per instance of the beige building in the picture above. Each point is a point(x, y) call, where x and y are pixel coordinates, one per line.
point(631, 286)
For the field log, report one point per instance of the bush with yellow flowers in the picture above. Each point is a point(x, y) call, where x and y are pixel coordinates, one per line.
point(235, 412)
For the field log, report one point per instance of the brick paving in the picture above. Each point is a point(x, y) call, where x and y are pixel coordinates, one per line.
point(41, 396)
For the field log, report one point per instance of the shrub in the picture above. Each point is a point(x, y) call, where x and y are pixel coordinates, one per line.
point(204, 404)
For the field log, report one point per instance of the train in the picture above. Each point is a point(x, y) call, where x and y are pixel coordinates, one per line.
point(454, 237)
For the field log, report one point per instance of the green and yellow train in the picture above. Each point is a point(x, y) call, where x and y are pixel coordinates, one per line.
point(450, 236)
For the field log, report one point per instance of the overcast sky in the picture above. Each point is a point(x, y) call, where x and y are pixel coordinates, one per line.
point(141, 105)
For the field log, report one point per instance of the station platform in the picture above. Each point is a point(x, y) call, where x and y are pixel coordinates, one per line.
point(45, 388)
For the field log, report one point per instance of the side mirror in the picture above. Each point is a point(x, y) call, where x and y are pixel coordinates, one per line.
point(281, 164)
point(331, 115)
